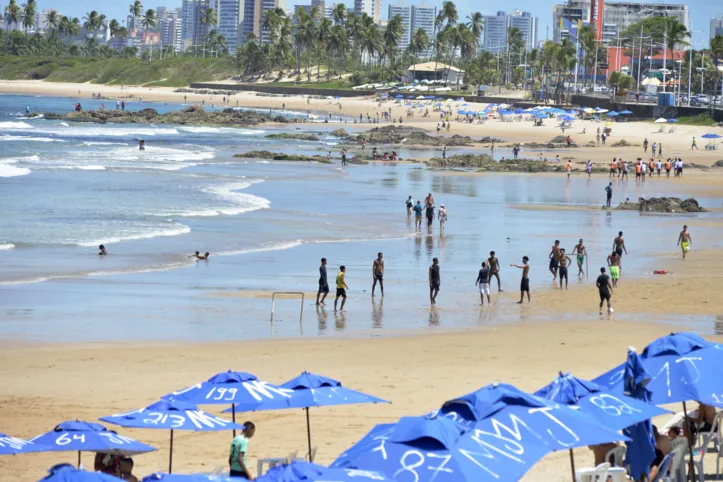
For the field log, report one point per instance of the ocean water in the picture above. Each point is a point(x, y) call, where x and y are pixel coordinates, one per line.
point(65, 188)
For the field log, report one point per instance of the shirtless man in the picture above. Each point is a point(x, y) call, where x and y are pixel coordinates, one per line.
point(684, 240)
point(429, 200)
point(378, 273)
point(555, 259)
point(581, 252)
point(619, 246)
point(494, 265)
point(525, 282)
point(565, 262)
point(614, 264)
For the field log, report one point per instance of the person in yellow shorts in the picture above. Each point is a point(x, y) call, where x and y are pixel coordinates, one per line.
point(614, 264)
point(685, 241)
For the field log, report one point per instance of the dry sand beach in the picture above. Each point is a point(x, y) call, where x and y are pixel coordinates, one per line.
point(43, 384)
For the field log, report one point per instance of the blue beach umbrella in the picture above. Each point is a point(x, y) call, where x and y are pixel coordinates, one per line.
point(672, 120)
point(612, 113)
point(68, 473)
point(616, 411)
point(399, 96)
point(13, 445)
point(171, 415)
point(310, 472)
point(683, 366)
point(160, 476)
point(710, 136)
point(72, 436)
point(625, 112)
point(310, 390)
point(641, 448)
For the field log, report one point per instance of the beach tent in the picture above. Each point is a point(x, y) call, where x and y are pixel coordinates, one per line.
point(309, 390)
point(660, 120)
point(171, 415)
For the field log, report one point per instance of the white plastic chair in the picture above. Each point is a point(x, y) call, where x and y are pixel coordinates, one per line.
point(597, 474)
point(617, 454)
point(679, 462)
point(714, 430)
point(720, 450)
point(702, 449)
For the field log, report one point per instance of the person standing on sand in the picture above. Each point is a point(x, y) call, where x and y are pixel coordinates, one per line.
point(378, 273)
point(581, 252)
point(609, 194)
point(605, 289)
point(494, 265)
point(694, 145)
point(645, 145)
point(660, 150)
point(323, 283)
point(483, 282)
point(555, 259)
point(525, 282)
point(434, 281)
point(684, 240)
point(341, 287)
point(614, 264)
point(565, 262)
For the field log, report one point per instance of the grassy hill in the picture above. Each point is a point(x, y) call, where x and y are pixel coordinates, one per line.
point(170, 72)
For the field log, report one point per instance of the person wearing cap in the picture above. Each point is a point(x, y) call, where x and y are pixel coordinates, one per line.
point(442, 215)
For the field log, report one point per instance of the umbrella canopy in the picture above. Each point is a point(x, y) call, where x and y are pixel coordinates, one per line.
point(82, 436)
point(309, 472)
point(228, 388)
point(68, 473)
point(171, 415)
point(12, 445)
point(615, 411)
point(399, 96)
point(672, 120)
point(612, 113)
point(540, 115)
point(159, 476)
point(426, 449)
point(625, 112)
point(641, 448)
point(683, 366)
point(660, 120)
point(710, 136)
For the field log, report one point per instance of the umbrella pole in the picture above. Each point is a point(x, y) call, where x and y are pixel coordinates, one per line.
point(78, 458)
point(233, 417)
point(170, 456)
point(308, 433)
point(572, 465)
point(691, 466)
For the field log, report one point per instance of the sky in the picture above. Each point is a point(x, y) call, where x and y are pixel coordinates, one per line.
point(700, 11)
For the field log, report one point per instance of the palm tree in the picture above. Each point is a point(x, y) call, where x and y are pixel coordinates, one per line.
point(322, 36)
point(677, 34)
point(135, 9)
point(52, 20)
point(446, 17)
point(515, 43)
point(339, 14)
point(149, 21)
point(12, 14)
point(92, 21)
point(392, 36)
point(29, 11)
point(476, 25)
point(337, 46)
point(371, 41)
point(354, 34)
point(418, 44)
point(114, 28)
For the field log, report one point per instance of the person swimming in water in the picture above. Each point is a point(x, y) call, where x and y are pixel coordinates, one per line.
point(198, 255)
point(142, 145)
point(102, 251)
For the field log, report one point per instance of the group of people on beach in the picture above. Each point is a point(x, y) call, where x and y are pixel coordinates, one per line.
point(427, 210)
point(620, 168)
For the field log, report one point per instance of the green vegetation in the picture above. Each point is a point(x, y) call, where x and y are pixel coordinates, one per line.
point(698, 120)
point(170, 72)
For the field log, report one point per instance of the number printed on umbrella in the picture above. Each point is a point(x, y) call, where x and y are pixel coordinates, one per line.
point(66, 438)
point(115, 438)
point(612, 405)
point(222, 394)
point(412, 460)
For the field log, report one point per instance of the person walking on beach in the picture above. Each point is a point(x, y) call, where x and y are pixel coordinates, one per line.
point(605, 289)
point(645, 145)
point(588, 167)
point(341, 287)
point(625, 170)
point(323, 284)
point(614, 264)
point(609, 194)
point(239, 448)
point(430, 215)
point(343, 157)
point(619, 247)
point(694, 145)
point(660, 150)
point(434, 281)
point(410, 205)
point(378, 273)
point(659, 166)
point(668, 165)
point(418, 215)
point(568, 168)
point(494, 265)
point(442, 216)
point(684, 240)
point(555, 259)
point(581, 252)
point(564, 264)
point(525, 282)
point(483, 283)
point(655, 148)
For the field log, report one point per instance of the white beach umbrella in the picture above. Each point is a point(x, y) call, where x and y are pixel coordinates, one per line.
point(660, 120)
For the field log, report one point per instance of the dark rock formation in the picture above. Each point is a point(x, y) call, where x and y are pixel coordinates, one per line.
point(664, 205)
point(292, 135)
point(393, 134)
point(276, 156)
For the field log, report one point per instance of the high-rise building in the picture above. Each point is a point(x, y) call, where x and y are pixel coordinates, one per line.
point(716, 26)
point(172, 30)
point(373, 8)
point(494, 34)
point(161, 13)
point(253, 16)
point(194, 31)
point(527, 24)
point(423, 17)
point(405, 13)
point(229, 22)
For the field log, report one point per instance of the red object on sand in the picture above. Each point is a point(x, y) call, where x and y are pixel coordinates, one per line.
point(661, 271)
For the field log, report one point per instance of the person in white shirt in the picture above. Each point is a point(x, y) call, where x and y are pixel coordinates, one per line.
point(659, 167)
point(643, 169)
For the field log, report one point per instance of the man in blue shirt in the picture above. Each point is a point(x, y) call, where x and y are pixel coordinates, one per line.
point(418, 215)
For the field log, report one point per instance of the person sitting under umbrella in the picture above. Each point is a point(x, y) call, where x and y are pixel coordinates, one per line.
point(702, 422)
point(125, 469)
point(239, 447)
point(663, 446)
point(106, 463)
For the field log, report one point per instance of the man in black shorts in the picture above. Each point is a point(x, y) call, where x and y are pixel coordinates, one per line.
point(564, 264)
point(619, 246)
point(525, 282)
point(341, 287)
point(323, 283)
point(378, 273)
point(605, 289)
point(430, 215)
point(434, 281)
point(494, 264)
point(555, 259)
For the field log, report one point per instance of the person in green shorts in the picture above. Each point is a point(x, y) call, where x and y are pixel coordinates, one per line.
point(581, 253)
point(614, 264)
point(684, 240)
point(239, 447)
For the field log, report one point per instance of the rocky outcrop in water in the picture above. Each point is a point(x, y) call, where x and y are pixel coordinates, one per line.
point(277, 156)
point(485, 163)
point(293, 135)
point(393, 134)
point(190, 115)
point(663, 205)
point(339, 133)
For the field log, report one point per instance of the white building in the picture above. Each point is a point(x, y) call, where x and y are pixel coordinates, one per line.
point(433, 70)
point(423, 17)
point(172, 30)
point(405, 13)
point(373, 8)
point(494, 35)
point(527, 25)
point(716, 26)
